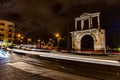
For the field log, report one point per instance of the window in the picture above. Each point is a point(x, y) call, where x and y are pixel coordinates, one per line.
point(2, 24)
point(9, 40)
point(10, 30)
point(1, 34)
point(10, 35)
point(1, 39)
point(1, 29)
point(10, 25)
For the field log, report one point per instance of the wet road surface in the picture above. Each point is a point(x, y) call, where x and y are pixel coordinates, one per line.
point(31, 67)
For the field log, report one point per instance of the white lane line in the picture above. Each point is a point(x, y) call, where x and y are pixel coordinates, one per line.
point(57, 75)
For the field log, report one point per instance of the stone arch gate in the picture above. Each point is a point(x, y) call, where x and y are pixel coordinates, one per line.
point(96, 33)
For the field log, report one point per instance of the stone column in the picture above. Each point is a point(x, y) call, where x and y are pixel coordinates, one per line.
point(82, 24)
point(75, 25)
point(89, 22)
point(98, 17)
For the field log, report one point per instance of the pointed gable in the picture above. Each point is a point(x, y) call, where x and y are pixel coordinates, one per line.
point(85, 14)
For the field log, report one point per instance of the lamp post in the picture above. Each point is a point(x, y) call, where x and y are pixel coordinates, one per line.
point(50, 42)
point(39, 43)
point(22, 39)
point(57, 35)
point(29, 40)
point(18, 37)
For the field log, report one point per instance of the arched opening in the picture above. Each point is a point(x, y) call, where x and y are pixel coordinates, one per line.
point(87, 43)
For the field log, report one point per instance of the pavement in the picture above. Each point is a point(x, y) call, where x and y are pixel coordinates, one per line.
point(47, 73)
point(57, 66)
point(23, 67)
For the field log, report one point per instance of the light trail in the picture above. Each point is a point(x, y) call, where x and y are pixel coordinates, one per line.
point(70, 57)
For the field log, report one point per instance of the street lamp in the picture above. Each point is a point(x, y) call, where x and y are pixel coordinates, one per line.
point(18, 37)
point(22, 37)
point(29, 40)
point(50, 43)
point(57, 35)
point(39, 43)
point(38, 40)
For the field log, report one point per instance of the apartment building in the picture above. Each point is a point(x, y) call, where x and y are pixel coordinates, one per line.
point(7, 31)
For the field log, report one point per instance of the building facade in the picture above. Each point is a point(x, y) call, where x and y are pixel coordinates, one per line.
point(88, 34)
point(7, 31)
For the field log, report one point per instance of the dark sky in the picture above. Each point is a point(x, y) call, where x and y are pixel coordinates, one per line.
point(43, 18)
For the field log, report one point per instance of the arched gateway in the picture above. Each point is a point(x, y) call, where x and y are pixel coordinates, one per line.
point(88, 34)
point(87, 39)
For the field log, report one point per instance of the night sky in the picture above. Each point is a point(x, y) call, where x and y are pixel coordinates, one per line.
point(43, 18)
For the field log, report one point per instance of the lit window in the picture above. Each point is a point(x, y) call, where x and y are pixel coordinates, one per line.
point(1, 34)
point(10, 35)
point(2, 24)
point(9, 40)
point(10, 30)
point(10, 25)
point(1, 29)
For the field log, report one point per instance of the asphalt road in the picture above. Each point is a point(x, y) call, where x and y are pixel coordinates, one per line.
point(31, 67)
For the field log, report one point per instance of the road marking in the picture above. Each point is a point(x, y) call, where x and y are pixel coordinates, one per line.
point(57, 75)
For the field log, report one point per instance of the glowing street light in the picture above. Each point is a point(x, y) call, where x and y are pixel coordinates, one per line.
point(57, 35)
point(18, 35)
point(22, 37)
point(39, 43)
point(29, 39)
point(38, 40)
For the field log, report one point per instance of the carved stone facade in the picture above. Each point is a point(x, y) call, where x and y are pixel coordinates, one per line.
point(96, 33)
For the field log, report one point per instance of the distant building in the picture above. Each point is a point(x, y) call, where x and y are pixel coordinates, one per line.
point(7, 31)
